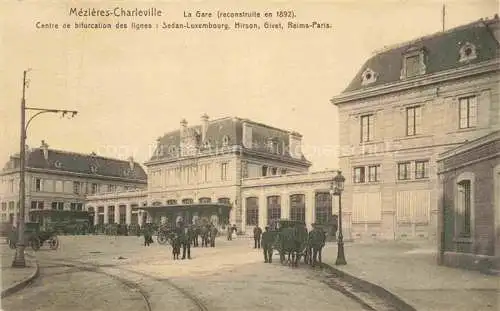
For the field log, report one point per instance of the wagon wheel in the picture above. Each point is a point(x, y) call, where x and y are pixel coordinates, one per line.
point(162, 238)
point(35, 243)
point(12, 245)
point(53, 242)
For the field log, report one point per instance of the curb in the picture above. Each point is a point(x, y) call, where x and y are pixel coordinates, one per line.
point(20, 285)
point(379, 291)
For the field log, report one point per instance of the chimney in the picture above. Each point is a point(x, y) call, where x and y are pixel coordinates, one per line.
point(295, 145)
point(45, 149)
point(204, 126)
point(131, 163)
point(183, 127)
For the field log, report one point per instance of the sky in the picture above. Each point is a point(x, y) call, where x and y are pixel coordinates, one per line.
point(132, 86)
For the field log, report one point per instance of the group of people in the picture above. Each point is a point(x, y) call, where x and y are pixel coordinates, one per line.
point(315, 242)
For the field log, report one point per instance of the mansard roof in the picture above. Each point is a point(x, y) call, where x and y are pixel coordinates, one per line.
point(65, 161)
point(230, 128)
point(442, 52)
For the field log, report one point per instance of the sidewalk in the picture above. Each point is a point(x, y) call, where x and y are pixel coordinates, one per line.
point(410, 272)
point(15, 278)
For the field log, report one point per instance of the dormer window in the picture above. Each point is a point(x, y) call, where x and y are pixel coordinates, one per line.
point(206, 144)
point(58, 164)
point(467, 52)
point(225, 141)
point(368, 77)
point(93, 169)
point(413, 63)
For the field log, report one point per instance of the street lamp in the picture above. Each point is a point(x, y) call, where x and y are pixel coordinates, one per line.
point(336, 190)
point(19, 260)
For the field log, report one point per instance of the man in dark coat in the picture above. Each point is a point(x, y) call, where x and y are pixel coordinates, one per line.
point(186, 237)
point(257, 232)
point(267, 245)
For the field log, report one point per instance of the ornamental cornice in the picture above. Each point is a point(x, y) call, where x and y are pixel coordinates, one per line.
point(443, 76)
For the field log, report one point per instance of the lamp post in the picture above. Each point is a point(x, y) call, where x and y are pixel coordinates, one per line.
point(336, 189)
point(19, 260)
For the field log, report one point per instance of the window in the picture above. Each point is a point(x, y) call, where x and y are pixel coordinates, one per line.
point(53, 205)
point(421, 169)
point(413, 120)
point(404, 170)
point(298, 207)
point(283, 171)
point(273, 208)
point(72, 206)
point(467, 52)
point(33, 204)
point(95, 188)
point(359, 175)
point(60, 206)
point(467, 112)
point(171, 202)
point(79, 207)
point(187, 201)
point(412, 65)
point(11, 185)
point(274, 171)
point(225, 141)
point(111, 188)
point(223, 171)
point(11, 206)
point(323, 207)
point(76, 187)
point(36, 204)
point(252, 211)
point(205, 200)
point(373, 173)
point(264, 170)
point(464, 216)
point(4, 206)
point(38, 184)
point(366, 128)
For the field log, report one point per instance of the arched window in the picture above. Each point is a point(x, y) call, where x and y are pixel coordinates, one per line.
point(464, 205)
point(252, 211)
point(205, 200)
point(298, 207)
point(323, 207)
point(273, 208)
point(171, 202)
point(187, 201)
point(156, 203)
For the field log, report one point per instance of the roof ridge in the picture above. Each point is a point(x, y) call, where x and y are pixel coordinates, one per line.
point(387, 48)
point(83, 154)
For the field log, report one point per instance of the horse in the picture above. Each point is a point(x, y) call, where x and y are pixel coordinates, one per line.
point(317, 239)
point(196, 234)
point(292, 243)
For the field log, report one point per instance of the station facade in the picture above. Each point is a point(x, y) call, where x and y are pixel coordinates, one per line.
point(228, 170)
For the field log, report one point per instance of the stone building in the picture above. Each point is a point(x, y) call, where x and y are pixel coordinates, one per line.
point(255, 172)
point(405, 106)
point(469, 222)
point(59, 181)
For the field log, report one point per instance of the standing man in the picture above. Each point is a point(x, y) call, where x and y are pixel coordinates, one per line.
point(267, 245)
point(186, 237)
point(257, 232)
point(229, 233)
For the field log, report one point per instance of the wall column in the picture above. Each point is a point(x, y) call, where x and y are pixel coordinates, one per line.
point(285, 205)
point(106, 215)
point(117, 213)
point(128, 214)
point(96, 215)
point(262, 210)
point(140, 217)
point(310, 206)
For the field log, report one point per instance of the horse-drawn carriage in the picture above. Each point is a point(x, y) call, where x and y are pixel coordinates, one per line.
point(290, 240)
point(34, 237)
point(164, 233)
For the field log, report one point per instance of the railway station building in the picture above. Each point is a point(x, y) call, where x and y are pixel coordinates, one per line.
point(229, 171)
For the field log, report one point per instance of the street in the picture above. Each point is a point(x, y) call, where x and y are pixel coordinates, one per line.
point(119, 273)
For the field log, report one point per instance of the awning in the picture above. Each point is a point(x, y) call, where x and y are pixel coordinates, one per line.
point(52, 212)
point(186, 207)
